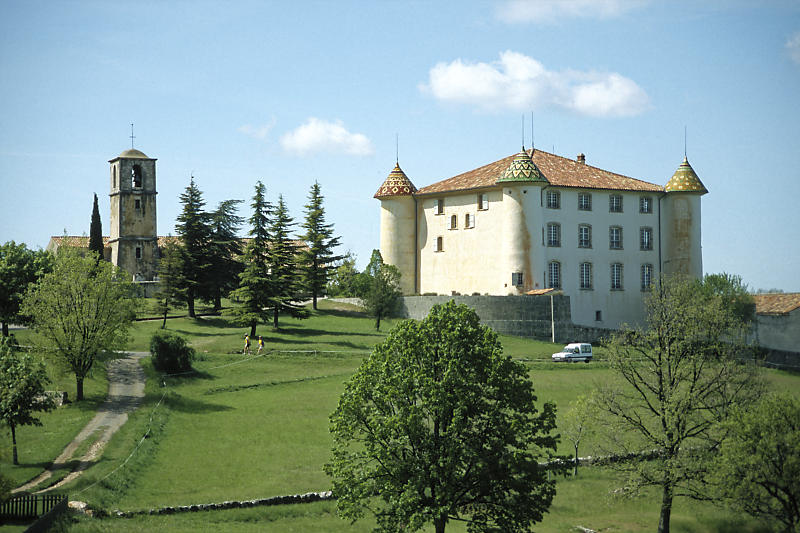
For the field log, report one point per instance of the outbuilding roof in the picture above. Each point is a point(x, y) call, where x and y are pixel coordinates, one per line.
point(559, 171)
point(777, 303)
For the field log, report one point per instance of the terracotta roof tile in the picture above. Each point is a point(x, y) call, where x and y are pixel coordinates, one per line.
point(75, 241)
point(559, 171)
point(777, 303)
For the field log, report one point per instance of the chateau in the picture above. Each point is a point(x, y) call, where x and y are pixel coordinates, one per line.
point(536, 221)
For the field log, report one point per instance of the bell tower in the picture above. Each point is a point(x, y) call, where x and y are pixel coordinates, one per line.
point(133, 237)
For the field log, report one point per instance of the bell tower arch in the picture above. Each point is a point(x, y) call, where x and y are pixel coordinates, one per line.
point(133, 236)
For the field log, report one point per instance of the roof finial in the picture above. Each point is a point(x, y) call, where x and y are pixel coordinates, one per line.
point(397, 148)
point(533, 139)
point(684, 141)
point(523, 132)
point(132, 136)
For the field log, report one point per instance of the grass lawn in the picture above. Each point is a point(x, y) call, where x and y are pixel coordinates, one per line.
point(254, 427)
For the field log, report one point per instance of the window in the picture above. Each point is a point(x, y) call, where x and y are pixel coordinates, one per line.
point(616, 276)
point(647, 276)
point(483, 202)
point(584, 202)
point(584, 236)
point(469, 221)
point(553, 200)
point(439, 244)
point(615, 203)
point(137, 204)
point(585, 275)
point(516, 279)
point(554, 275)
point(113, 177)
point(598, 316)
point(439, 206)
point(553, 234)
point(138, 253)
point(645, 204)
point(615, 238)
point(453, 222)
point(646, 238)
point(136, 176)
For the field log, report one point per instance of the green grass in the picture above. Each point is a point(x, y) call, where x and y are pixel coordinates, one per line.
point(245, 428)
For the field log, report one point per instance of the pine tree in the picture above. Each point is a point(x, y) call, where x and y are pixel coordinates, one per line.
point(194, 230)
point(225, 247)
point(96, 231)
point(171, 289)
point(283, 267)
point(255, 286)
point(317, 259)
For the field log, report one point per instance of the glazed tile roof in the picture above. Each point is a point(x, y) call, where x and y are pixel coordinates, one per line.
point(396, 184)
point(685, 180)
point(522, 170)
point(777, 303)
point(559, 171)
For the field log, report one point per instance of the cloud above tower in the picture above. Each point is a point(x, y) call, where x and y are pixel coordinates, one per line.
point(316, 135)
point(520, 83)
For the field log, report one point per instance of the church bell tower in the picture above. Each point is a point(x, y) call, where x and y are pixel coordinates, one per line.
point(133, 238)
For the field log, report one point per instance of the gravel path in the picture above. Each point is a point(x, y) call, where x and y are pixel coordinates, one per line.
point(125, 392)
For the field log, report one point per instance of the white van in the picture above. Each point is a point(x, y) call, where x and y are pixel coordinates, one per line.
point(575, 351)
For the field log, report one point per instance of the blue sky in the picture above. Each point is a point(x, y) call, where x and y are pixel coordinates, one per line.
point(293, 92)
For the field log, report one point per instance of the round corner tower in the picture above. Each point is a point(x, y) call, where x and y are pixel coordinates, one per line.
point(683, 253)
point(133, 236)
point(398, 226)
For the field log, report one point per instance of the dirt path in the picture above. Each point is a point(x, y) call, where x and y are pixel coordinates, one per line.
point(125, 392)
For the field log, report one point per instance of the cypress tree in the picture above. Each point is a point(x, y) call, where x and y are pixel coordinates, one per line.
point(96, 231)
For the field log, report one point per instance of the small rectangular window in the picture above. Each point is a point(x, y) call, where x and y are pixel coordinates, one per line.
point(469, 221)
point(615, 203)
point(645, 204)
point(646, 238)
point(615, 238)
point(586, 276)
point(553, 200)
point(616, 276)
point(453, 222)
point(554, 234)
point(584, 236)
point(584, 202)
point(138, 253)
point(516, 279)
point(598, 316)
point(483, 202)
point(440, 206)
point(439, 244)
point(647, 277)
point(554, 275)
point(137, 204)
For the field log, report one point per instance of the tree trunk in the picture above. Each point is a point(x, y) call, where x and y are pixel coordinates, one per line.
point(79, 387)
point(378, 322)
point(439, 524)
point(576, 459)
point(190, 302)
point(275, 317)
point(314, 298)
point(14, 441)
point(164, 324)
point(218, 301)
point(5, 326)
point(666, 509)
point(253, 329)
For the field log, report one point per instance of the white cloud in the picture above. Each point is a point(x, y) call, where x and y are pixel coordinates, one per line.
point(257, 132)
point(317, 135)
point(793, 46)
point(518, 82)
point(522, 11)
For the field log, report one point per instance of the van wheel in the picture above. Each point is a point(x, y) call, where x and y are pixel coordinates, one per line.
point(586, 360)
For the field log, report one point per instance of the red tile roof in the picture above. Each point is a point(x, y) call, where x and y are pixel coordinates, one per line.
point(559, 171)
point(777, 303)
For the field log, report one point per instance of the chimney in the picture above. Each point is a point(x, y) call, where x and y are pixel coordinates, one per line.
point(581, 159)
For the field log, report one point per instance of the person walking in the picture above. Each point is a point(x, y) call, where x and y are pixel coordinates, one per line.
point(246, 345)
point(260, 344)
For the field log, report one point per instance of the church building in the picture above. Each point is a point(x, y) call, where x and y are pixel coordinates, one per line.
point(535, 221)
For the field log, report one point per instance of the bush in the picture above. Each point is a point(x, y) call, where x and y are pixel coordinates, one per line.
point(170, 352)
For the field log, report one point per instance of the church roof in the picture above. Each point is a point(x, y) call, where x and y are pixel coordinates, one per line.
point(685, 180)
point(396, 184)
point(559, 171)
point(522, 170)
point(777, 303)
point(132, 153)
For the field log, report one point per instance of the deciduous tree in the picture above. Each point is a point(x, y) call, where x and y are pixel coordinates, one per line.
point(757, 469)
point(383, 288)
point(80, 309)
point(317, 259)
point(678, 376)
point(22, 384)
point(576, 424)
point(19, 267)
point(437, 425)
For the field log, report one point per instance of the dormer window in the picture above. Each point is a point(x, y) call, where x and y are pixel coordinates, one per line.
point(136, 176)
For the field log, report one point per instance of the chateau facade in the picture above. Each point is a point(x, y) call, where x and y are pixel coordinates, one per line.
point(535, 221)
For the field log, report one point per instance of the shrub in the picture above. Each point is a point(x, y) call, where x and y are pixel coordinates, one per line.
point(170, 352)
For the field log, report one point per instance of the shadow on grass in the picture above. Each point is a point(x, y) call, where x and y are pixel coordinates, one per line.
point(310, 332)
point(185, 405)
point(192, 375)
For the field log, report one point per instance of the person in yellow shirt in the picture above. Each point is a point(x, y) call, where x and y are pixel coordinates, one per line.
point(260, 344)
point(246, 345)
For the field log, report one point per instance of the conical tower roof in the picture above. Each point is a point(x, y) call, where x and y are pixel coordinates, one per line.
point(522, 170)
point(396, 184)
point(685, 180)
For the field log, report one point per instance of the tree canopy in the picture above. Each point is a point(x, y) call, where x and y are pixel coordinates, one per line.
point(438, 425)
point(677, 377)
point(80, 309)
point(317, 258)
point(96, 231)
point(19, 267)
point(194, 229)
point(286, 288)
point(224, 250)
point(382, 289)
point(171, 285)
